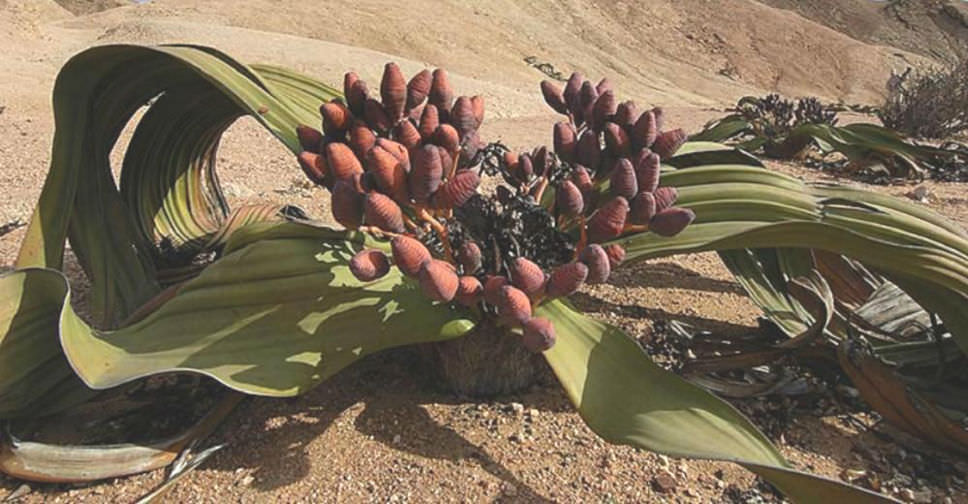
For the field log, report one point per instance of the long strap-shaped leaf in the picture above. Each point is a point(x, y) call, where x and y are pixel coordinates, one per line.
point(627, 399)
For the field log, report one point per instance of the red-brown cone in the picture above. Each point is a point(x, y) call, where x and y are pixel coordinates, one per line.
point(375, 116)
point(665, 197)
point(643, 208)
point(362, 138)
point(456, 191)
point(616, 140)
point(446, 160)
point(569, 199)
point(582, 179)
point(514, 305)
point(388, 173)
point(347, 203)
point(311, 139)
point(396, 149)
point(393, 91)
point(469, 291)
point(527, 276)
point(565, 141)
point(462, 116)
point(644, 131)
point(408, 254)
point(539, 334)
point(418, 87)
point(668, 142)
point(342, 163)
point(599, 267)
point(441, 93)
point(406, 133)
point(554, 97)
point(622, 180)
point(647, 171)
point(447, 137)
point(609, 221)
point(572, 92)
point(369, 264)
point(671, 221)
point(492, 289)
point(566, 279)
point(616, 255)
point(626, 114)
point(429, 121)
point(425, 175)
point(588, 98)
point(588, 151)
point(657, 112)
point(355, 92)
point(542, 161)
point(314, 166)
point(336, 118)
point(381, 211)
point(438, 280)
point(603, 85)
point(477, 105)
point(604, 109)
point(469, 257)
point(525, 167)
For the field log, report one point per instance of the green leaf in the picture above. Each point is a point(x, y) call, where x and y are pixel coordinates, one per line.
point(627, 399)
point(274, 317)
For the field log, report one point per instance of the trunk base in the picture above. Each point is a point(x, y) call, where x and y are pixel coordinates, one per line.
point(487, 362)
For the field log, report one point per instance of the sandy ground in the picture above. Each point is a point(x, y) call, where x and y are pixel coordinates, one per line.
point(379, 431)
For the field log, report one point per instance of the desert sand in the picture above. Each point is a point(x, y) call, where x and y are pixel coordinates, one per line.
point(380, 431)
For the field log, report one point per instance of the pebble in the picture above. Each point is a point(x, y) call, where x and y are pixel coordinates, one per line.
point(664, 482)
point(237, 190)
point(517, 408)
point(919, 193)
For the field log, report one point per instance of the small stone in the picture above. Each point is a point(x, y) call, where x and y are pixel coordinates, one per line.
point(922, 497)
point(237, 191)
point(663, 461)
point(533, 413)
point(907, 494)
point(246, 480)
point(509, 489)
point(664, 482)
point(396, 439)
point(517, 408)
point(919, 193)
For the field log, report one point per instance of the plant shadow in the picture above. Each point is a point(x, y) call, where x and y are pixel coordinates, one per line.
point(669, 275)
point(384, 398)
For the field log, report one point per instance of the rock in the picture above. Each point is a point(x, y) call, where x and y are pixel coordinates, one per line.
point(517, 408)
point(919, 193)
point(663, 461)
point(237, 191)
point(509, 489)
point(664, 482)
point(921, 497)
point(907, 495)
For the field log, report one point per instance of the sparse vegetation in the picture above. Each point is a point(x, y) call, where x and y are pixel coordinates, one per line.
point(932, 104)
point(783, 129)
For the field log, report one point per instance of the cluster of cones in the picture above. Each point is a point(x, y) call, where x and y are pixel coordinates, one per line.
point(399, 165)
point(615, 146)
point(403, 156)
